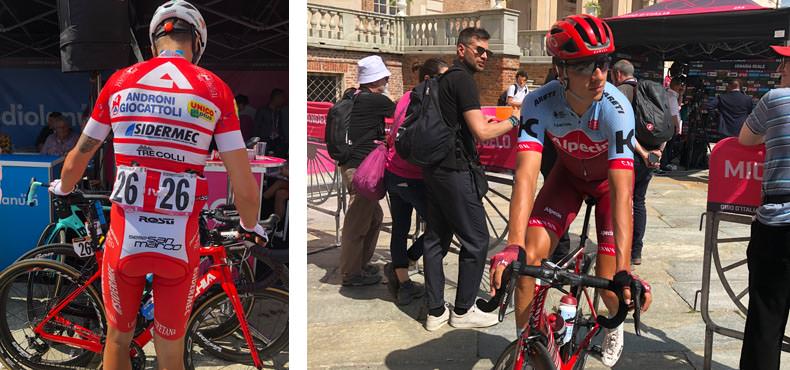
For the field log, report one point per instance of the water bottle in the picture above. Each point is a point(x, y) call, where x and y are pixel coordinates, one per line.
point(147, 309)
point(568, 314)
point(556, 324)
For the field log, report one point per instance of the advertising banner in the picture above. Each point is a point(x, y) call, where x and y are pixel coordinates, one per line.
point(28, 95)
point(736, 174)
point(318, 160)
point(499, 154)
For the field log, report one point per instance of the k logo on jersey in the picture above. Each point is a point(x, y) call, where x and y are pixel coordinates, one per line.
point(165, 76)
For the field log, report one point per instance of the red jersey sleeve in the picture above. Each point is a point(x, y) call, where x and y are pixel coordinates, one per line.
point(227, 133)
point(98, 125)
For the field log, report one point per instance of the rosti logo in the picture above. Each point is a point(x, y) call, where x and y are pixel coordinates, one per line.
point(580, 145)
point(201, 111)
point(157, 220)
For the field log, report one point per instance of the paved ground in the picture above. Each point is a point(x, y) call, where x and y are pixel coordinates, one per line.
point(362, 327)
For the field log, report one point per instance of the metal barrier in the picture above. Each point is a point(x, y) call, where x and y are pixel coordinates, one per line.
point(324, 184)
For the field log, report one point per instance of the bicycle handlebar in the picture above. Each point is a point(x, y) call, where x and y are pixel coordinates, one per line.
point(74, 197)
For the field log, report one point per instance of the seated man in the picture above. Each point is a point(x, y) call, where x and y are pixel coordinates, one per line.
point(61, 140)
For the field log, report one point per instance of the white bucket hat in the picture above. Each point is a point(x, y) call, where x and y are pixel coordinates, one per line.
point(371, 69)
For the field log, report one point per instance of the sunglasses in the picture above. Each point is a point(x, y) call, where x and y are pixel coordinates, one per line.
point(481, 50)
point(587, 68)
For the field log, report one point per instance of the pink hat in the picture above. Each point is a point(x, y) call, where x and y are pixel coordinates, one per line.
point(781, 50)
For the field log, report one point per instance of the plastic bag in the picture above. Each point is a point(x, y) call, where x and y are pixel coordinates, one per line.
point(369, 176)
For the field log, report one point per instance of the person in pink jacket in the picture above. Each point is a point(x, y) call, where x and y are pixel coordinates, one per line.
point(407, 192)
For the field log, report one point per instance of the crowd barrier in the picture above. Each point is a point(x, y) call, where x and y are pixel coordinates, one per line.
point(735, 178)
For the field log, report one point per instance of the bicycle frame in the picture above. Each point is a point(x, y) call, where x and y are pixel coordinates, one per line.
point(537, 315)
point(219, 273)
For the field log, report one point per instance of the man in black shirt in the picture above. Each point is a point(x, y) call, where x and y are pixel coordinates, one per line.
point(269, 124)
point(454, 192)
point(734, 106)
point(363, 218)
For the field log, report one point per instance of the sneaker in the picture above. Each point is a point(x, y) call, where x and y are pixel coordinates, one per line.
point(669, 167)
point(371, 269)
point(433, 323)
point(408, 291)
point(392, 280)
point(474, 318)
point(361, 280)
point(612, 346)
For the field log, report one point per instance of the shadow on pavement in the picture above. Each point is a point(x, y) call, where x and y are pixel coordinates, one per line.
point(442, 353)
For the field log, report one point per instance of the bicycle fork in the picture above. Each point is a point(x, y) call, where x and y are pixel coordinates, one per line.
point(230, 289)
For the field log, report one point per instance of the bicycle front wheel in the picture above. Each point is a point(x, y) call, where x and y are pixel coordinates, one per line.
point(28, 291)
point(536, 357)
point(267, 320)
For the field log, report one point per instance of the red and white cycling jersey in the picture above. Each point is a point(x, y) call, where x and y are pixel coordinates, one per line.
point(163, 114)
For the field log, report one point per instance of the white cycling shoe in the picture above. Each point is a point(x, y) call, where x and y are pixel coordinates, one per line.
point(612, 346)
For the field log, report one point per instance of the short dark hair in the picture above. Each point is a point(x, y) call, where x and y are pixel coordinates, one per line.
point(431, 67)
point(521, 73)
point(242, 99)
point(54, 115)
point(467, 34)
point(732, 81)
point(182, 34)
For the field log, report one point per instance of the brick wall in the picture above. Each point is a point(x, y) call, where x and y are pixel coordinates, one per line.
point(499, 73)
point(345, 62)
point(367, 6)
point(457, 6)
point(537, 72)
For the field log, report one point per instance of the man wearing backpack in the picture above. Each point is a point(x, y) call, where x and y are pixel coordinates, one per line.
point(363, 218)
point(516, 92)
point(456, 187)
point(644, 160)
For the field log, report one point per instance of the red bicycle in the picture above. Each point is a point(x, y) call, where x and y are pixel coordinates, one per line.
point(52, 316)
point(548, 343)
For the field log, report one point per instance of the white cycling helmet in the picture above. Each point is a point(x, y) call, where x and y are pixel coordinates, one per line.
point(185, 11)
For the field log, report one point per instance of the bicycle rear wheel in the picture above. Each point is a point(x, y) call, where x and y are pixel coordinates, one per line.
point(537, 357)
point(268, 323)
point(28, 291)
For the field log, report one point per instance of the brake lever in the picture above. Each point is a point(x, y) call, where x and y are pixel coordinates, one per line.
point(637, 290)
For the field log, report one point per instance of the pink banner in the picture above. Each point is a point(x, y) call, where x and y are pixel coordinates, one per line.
point(499, 153)
point(318, 160)
point(736, 174)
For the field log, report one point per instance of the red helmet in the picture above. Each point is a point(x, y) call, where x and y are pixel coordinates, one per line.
point(579, 36)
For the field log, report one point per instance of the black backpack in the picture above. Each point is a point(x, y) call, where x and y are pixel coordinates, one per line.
point(425, 138)
point(653, 120)
point(502, 101)
point(338, 120)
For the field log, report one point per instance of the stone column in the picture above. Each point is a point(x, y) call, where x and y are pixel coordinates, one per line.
point(544, 13)
point(620, 7)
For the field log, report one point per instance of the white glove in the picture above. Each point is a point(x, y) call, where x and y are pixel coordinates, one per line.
point(55, 188)
point(257, 230)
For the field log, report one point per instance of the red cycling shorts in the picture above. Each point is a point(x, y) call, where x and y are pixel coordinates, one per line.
point(559, 201)
point(139, 243)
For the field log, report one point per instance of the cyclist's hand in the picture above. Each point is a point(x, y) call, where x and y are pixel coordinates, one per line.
point(55, 188)
point(498, 263)
point(258, 232)
point(648, 294)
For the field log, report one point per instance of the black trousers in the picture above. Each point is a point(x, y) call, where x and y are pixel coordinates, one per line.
point(768, 257)
point(642, 177)
point(405, 195)
point(454, 208)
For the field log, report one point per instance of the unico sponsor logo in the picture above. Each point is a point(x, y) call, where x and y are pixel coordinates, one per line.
point(579, 145)
point(201, 111)
point(152, 130)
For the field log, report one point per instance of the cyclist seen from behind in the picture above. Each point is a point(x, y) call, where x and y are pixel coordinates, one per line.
point(163, 113)
point(591, 123)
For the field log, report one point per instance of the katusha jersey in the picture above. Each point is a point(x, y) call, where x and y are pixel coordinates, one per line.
point(587, 146)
